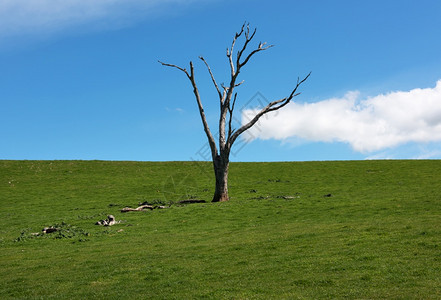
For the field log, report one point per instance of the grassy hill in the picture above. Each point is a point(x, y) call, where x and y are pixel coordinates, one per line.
point(295, 230)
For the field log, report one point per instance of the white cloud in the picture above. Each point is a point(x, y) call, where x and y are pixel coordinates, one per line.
point(47, 16)
point(410, 151)
point(368, 125)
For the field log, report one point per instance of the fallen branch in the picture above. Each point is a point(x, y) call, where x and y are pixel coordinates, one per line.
point(139, 208)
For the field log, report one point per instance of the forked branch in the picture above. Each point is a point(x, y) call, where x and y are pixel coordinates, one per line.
point(261, 47)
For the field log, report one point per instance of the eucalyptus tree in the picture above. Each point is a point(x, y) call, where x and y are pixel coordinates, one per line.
point(220, 152)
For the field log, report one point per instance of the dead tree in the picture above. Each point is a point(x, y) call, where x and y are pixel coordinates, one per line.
point(227, 98)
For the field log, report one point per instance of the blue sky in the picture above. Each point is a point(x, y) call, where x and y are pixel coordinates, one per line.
point(80, 79)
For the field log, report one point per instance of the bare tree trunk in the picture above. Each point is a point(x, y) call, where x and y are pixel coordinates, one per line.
point(221, 164)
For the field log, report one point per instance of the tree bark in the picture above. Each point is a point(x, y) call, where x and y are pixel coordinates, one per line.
point(221, 164)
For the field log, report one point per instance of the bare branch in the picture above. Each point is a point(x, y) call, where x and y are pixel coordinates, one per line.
point(175, 66)
point(191, 77)
point(230, 110)
point(293, 93)
point(238, 34)
point(272, 106)
point(230, 59)
point(261, 47)
point(230, 51)
point(212, 78)
point(225, 90)
point(238, 84)
point(248, 39)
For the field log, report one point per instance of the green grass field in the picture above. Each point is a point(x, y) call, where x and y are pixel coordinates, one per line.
point(295, 230)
